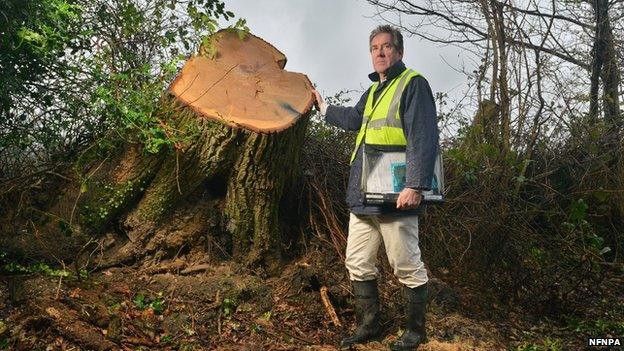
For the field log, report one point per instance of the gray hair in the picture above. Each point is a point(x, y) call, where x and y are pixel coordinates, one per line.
point(397, 37)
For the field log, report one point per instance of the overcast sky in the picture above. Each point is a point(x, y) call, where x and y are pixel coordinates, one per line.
point(328, 41)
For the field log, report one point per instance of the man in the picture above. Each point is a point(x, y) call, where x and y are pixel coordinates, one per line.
point(397, 110)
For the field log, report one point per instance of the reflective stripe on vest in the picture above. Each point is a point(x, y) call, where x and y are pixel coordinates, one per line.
point(381, 124)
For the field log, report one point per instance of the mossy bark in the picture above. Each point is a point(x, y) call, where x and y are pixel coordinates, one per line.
point(247, 172)
point(264, 169)
point(112, 189)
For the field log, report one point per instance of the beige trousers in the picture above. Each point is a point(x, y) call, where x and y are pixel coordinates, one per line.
point(400, 238)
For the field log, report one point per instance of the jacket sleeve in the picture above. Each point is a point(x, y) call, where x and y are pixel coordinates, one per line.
point(347, 118)
point(420, 125)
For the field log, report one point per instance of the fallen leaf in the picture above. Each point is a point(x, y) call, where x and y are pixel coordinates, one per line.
point(74, 293)
point(53, 312)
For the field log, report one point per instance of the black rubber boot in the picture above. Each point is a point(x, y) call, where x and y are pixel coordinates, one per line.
point(415, 308)
point(367, 312)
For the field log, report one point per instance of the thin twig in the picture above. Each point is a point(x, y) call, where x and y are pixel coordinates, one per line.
point(178, 173)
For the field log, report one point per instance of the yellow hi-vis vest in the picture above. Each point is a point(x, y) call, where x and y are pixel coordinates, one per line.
point(381, 124)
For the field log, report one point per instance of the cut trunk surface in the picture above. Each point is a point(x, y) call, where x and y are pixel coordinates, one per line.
point(244, 119)
point(242, 83)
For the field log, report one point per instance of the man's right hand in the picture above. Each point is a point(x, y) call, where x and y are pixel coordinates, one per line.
point(320, 105)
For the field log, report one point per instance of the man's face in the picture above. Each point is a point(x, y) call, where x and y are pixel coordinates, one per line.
point(383, 53)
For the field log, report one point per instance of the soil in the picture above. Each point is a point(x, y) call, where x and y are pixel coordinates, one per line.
point(182, 304)
point(189, 304)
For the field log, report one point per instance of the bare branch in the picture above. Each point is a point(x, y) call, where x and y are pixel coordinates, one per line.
point(547, 15)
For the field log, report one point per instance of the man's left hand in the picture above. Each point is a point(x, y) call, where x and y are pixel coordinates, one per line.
point(409, 199)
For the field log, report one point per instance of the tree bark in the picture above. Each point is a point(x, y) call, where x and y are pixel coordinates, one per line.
point(605, 68)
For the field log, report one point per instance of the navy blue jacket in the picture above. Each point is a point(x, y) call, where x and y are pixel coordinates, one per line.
point(418, 118)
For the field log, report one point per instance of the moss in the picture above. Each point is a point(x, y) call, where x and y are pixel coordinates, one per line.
point(158, 203)
point(207, 147)
point(107, 201)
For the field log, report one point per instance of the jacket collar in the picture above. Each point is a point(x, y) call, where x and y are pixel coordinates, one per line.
point(393, 72)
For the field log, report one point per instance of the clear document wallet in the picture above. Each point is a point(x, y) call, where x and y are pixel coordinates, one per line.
point(383, 176)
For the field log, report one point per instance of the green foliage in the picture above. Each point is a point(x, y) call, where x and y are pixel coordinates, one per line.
point(83, 273)
point(600, 326)
point(14, 267)
point(139, 301)
point(157, 304)
point(38, 267)
point(74, 71)
point(108, 201)
point(578, 223)
point(35, 34)
point(37, 39)
point(130, 104)
point(538, 256)
point(166, 339)
point(578, 211)
point(228, 307)
point(547, 344)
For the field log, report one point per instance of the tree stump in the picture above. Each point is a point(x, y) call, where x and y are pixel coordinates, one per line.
point(245, 119)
